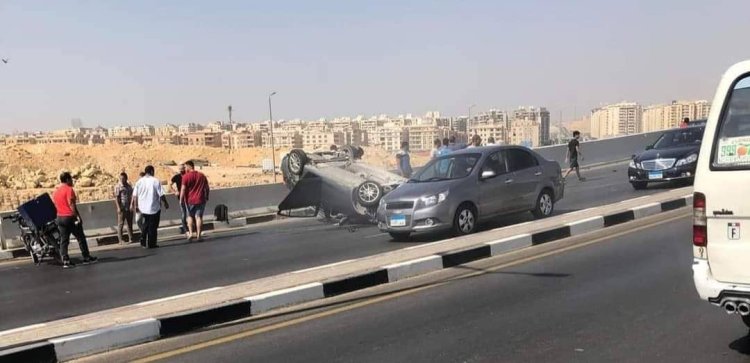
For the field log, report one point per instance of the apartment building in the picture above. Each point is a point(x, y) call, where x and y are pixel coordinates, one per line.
point(617, 119)
point(144, 130)
point(189, 128)
point(389, 138)
point(120, 131)
point(208, 138)
point(167, 130)
point(423, 137)
point(125, 139)
point(283, 139)
point(660, 117)
point(525, 132)
point(218, 126)
point(496, 132)
point(243, 140)
point(539, 114)
point(312, 140)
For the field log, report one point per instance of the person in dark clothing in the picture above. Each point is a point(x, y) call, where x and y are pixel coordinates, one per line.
point(573, 154)
point(69, 221)
point(175, 185)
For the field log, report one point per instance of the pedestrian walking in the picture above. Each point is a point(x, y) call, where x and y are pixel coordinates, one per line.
point(403, 160)
point(194, 194)
point(123, 200)
point(573, 154)
point(138, 215)
point(175, 185)
point(148, 193)
point(69, 221)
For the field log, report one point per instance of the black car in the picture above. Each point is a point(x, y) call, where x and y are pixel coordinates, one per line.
point(672, 157)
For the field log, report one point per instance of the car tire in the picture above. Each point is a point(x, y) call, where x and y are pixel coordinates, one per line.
point(400, 236)
point(544, 205)
point(465, 221)
point(639, 185)
point(369, 193)
point(296, 161)
point(27, 245)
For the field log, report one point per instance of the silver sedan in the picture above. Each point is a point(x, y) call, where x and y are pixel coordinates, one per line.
point(459, 190)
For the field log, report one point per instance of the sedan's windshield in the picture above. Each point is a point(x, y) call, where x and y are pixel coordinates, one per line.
point(447, 168)
point(681, 137)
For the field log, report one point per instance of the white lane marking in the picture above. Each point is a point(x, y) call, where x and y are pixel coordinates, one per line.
point(321, 267)
point(23, 328)
point(150, 302)
point(376, 235)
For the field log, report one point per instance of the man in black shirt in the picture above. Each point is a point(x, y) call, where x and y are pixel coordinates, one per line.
point(573, 154)
point(175, 185)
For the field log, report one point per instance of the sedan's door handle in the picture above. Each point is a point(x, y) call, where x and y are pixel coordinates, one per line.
point(538, 173)
point(508, 181)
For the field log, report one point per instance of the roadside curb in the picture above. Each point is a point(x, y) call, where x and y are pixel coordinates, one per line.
point(118, 336)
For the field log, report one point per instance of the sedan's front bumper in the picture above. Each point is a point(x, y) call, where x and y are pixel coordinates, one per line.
point(427, 219)
point(683, 172)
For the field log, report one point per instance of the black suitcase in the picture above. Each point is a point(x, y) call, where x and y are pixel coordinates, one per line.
point(38, 212)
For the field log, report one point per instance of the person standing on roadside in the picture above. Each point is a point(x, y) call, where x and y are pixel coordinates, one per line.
point(123, 200)
point(403, 159)
point(476, 141)
point(194, 194)
point(573, 154)
point(490, 141)
point(175, 185)
point(69, 221)
point(148, 193)
point(685, 123)
point(437, 144)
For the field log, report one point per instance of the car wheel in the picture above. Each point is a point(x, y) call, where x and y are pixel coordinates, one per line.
point(545, 204)
point(296, 161)
point(399, 236)
point(27, 244)
point(465, 221)
point(639, 185)
point(369, 194)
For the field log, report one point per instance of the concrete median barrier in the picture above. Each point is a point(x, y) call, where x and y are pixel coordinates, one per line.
point(187, 312)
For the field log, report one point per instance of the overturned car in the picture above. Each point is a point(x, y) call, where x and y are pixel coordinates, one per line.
point(335, 183)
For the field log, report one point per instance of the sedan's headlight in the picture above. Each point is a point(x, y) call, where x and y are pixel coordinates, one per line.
point(430, 200)
point(687, 160)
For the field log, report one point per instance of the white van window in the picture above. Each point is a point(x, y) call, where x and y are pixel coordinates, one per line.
point(732, 150)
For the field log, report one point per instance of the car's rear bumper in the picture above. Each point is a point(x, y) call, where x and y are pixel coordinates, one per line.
point(713, 291)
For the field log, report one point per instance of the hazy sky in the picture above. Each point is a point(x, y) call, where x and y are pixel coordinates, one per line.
point(128, 62)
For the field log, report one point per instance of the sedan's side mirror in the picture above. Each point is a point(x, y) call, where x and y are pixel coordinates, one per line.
point(488, 174)
point(649, 147)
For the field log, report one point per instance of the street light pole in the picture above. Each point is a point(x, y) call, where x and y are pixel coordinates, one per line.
point(468, 121)
point(273, 149)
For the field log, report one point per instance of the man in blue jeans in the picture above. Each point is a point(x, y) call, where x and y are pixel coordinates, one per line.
point(194, 194)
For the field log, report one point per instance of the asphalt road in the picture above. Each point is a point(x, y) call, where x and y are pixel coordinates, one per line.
point(133, 275)
point(627, 299)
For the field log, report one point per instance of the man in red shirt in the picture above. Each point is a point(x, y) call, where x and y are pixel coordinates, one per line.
point(69, 221)
point(194, 194)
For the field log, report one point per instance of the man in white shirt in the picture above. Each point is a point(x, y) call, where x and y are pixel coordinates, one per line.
point(147, 195)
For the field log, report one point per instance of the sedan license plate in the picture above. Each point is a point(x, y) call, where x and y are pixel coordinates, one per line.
point(655, 175)
point(398, 221)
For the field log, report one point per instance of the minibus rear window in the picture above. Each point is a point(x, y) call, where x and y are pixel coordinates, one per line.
point(732, 150)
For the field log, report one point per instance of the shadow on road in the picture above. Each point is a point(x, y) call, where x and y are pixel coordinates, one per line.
point(118, 259)
point(741, 345)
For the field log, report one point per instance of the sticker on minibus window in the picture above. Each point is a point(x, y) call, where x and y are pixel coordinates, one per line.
point(735, 150)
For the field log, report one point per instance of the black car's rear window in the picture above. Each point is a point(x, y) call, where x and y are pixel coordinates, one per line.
point(680, 137)
point(732, 149)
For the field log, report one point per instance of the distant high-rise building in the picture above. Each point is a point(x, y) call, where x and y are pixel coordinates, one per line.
point(660, 117)
point(614, 120)
point(540, 115)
